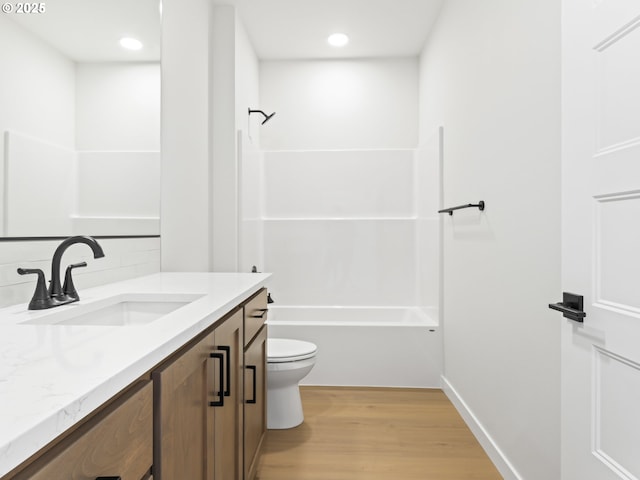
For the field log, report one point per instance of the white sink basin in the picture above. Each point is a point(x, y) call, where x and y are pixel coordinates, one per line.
point(121, 310)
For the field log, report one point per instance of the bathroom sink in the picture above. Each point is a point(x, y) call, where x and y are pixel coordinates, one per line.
point(120, 310)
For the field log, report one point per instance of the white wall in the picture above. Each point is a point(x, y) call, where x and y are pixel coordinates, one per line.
point(185, 192)
point(224, 194)
point(235, 79)
point(340, 104)
point(202, 108)
point(490, 75)
point(249, 154)
point(247, 83)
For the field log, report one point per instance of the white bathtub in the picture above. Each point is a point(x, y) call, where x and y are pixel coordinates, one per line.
point(366, 346)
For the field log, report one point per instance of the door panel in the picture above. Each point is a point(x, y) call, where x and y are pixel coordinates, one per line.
point(616, 252)
point(601, 238)
point(616, 97)
point(616, 422)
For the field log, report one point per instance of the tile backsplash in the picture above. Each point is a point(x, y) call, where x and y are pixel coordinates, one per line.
point(124, 258)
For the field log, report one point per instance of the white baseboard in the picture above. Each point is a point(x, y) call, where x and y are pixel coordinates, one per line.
point(490, 447)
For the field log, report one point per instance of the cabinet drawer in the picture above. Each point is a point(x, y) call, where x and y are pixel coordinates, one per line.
point(117, 442)
point(255, 314)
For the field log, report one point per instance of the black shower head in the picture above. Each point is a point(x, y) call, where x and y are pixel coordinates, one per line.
point(266, 117)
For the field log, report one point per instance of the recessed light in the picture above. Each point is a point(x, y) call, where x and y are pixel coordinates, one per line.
point(338, 40)
point(130, 43)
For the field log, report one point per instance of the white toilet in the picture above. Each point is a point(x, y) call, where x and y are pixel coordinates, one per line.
point(288, 362)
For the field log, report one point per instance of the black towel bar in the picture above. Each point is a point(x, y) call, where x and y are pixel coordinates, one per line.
point(480, 206)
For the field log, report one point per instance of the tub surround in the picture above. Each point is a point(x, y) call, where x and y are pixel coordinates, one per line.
point(52, 376)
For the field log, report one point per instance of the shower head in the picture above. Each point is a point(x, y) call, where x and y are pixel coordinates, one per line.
point(266, 117)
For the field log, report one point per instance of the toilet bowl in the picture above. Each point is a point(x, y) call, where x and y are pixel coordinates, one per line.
point(288, 362)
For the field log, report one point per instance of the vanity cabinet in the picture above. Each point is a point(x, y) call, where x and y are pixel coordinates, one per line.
point(198, 416)
point(117, 442)
point(255, 381)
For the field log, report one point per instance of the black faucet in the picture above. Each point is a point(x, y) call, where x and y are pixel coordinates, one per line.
point(56, 294)
point(55, 290)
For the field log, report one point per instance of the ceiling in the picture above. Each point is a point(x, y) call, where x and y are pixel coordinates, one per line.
point(89, 30)
point(298, 29)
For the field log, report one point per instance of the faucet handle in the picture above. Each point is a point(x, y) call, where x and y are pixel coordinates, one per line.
point(68, 288)
point(40, 298)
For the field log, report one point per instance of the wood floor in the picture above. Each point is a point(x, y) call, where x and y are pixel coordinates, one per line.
point(375, 434)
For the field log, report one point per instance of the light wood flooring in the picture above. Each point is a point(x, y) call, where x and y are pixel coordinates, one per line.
point(375, 434)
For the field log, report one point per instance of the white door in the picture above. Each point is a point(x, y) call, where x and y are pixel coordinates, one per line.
point(601, 239)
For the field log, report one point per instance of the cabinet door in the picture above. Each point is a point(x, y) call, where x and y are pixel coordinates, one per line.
point(228, 417)
point(183, 419)
point(117, 442)
point(255, 405)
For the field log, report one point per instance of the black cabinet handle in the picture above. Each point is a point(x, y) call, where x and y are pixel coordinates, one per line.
point(254, 383)
point(220, 402)
point(571, 307)
point(261, 315)
point(227, 390)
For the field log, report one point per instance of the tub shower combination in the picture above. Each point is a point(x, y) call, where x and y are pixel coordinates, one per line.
point(352, 240)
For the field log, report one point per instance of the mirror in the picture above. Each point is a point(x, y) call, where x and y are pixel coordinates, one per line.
point(79, 119)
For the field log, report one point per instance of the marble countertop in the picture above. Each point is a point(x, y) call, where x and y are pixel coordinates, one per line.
point(51, 376)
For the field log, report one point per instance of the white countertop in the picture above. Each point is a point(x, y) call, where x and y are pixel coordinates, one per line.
point(51, 376)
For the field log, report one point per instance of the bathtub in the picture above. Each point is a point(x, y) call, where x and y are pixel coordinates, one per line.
point(366, 346)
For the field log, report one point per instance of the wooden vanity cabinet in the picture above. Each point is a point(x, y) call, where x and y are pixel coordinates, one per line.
point(197, 423)
point(116, 442)
point(198, 415)
point(255, 381)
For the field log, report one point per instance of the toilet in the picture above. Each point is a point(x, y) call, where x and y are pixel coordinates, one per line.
point(288, 362)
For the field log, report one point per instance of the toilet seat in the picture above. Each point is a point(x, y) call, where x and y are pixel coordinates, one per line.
point(282, 350)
